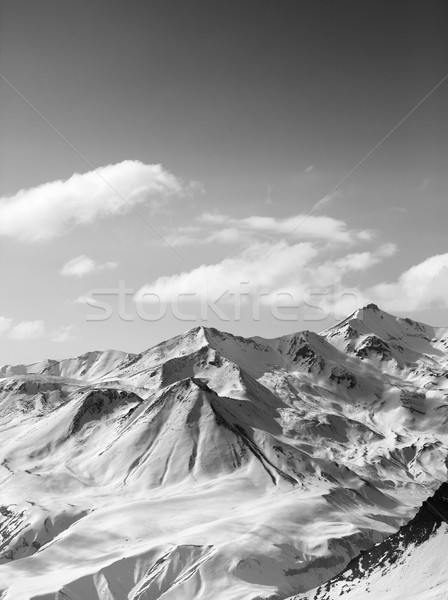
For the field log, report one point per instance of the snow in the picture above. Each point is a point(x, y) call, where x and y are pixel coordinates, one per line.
point(214, 466)
point(90, 365)
point(420, 573)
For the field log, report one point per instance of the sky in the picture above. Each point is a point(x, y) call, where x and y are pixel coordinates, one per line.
point(259, 167)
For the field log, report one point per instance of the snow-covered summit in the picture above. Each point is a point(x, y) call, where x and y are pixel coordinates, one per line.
point(372, 333)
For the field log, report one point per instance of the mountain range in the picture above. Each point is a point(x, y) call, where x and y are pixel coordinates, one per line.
point(217, 466)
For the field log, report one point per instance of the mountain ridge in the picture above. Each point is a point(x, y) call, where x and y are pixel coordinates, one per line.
point(208, 337)
point(285, 456)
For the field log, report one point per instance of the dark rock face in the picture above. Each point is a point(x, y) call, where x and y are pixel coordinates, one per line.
point(99, 403)
point(374, 345)
point(342, 376)
point(371, 306)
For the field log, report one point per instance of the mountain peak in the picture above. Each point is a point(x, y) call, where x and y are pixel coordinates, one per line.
point(371, 306)
point(362, 315)
point(369, 309)
point(370, 332)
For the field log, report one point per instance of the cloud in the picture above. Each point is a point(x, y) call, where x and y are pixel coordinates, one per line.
point(425, 183)
point(423, 286)
point(249, 270)
point(63, 334)
point(31, 330)
point(228, 235)
point(327, 199)
point(269, 190)
point(5, 325)
point(297, 227)
point(50, 210)
point(27, 330)
point(359, 261)
point(295, 270)
point(182, 236)
point(212, 228)
point(83, 265)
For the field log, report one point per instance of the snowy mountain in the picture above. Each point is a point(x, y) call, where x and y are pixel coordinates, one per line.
point(214, 466)
point(409, 564)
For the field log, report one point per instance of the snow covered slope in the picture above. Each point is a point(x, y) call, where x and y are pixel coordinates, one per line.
point(90, 365)
point(411, 564)
point(214, 466)
point(375, 335)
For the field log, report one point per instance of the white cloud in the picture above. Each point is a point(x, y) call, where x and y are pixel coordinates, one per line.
point(297, 227)
point(23, 331)
point(63, 334)
point(83, 265)
point(228, 235)
point(50, 210)
point(250, 270)
point(5, 324)
point(222, 229)
point(181, 236)
point(358, 261)
point(216, 219)
point(297, 270)
point(27, 330)
point(423, 286)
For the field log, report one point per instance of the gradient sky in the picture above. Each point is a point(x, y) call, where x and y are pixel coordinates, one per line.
point(255, 111)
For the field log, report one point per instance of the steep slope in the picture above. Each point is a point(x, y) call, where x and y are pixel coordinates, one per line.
point(410, 564)
point(217, 466)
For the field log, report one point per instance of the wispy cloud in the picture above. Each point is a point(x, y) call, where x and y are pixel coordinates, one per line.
point(83, 265)
point(224, 229)
point(303, 227)
point(425, 184)
point(359, 261)
point(199, 236)
point(27, 330)
point(326, 200)
point(183, 236)
point(269, 190)
point(23, 331)
point(50, 210)
point(5, 324)
point(63, 334)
